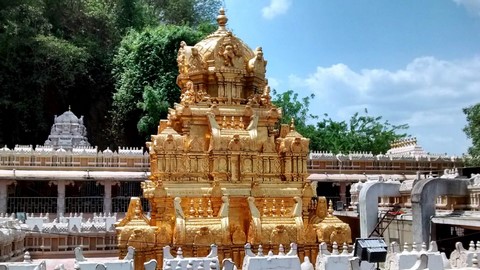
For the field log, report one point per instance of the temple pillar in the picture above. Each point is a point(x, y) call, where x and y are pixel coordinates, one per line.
point(234, 171)
point(107, 197)
point(60, 197)
point(3, 194)
point(61, 184)
point(343, 191)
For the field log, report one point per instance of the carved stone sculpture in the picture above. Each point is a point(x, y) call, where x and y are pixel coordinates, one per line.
point(257, 64)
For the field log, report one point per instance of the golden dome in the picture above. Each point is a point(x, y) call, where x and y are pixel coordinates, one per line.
point(229, 59)
point(217, 42)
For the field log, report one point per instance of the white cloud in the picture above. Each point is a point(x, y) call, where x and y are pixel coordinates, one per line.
point(473, 6)
point(275, 8)
point(273, 83)
point(428, 94)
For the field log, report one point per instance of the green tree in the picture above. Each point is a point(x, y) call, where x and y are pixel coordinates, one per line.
point(35, 67)
point(56, 53)
point(472, 130)
point(145, 69)
point(296, 108)
point(364, 133)
point(293, 107)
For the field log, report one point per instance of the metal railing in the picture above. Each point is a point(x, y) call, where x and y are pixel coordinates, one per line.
point(32, 204)
point(91, 204)
point(120, 204)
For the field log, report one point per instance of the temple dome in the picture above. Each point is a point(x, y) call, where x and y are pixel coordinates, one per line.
point(221, 68)
point(68, 117)
point(68, 131)
point(217, 39)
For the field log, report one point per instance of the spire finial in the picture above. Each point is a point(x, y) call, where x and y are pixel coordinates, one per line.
point(292, 124)
point(330, 208)
point(222, 19)
point(69, 108)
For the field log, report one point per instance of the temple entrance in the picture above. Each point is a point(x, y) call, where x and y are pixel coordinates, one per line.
point(332, 191)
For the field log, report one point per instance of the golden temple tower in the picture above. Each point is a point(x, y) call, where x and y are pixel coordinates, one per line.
point(223, 170)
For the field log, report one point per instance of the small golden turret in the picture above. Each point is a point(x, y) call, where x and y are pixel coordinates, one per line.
point(332, 229)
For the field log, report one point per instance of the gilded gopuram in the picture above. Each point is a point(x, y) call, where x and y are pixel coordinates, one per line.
point(224, 170)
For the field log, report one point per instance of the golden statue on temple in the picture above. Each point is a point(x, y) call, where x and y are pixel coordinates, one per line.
point(223, 170)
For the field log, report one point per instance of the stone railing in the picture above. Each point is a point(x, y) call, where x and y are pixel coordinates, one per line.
point(184, 263)
point(462, 257)
point(321, 155)
point(337, 259)
point(26, 264)
point(72, 222)
point(40, 234)
point(12, 237)
point(84, 157)
point(251, 261)
point(409, 257)
point(389, 164)
point(83, 263)
point(281, 260)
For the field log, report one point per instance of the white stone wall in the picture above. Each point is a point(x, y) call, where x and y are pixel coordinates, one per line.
point(12, 236)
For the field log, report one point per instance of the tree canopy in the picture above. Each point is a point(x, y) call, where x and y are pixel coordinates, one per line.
point(362, 133)
point(145, 70)
point(472, 130)
point(56, 53)
point(37, 71)
point(186, 12)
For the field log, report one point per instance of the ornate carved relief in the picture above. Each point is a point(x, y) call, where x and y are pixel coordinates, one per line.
point(258, 64)
point(182, 59)
point(195, 62)
point(229, 54)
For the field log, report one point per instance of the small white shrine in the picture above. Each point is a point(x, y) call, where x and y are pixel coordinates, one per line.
point(67, 132)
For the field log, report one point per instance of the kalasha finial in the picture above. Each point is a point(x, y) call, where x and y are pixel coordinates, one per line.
point(222, 19)
point(292, 124)
point(330, 208)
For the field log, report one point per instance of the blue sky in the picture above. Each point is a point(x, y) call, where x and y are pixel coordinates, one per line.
point(410, 61)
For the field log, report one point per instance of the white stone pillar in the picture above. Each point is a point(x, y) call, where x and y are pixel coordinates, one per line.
point(3, 195)
point(107, 199)
point(343, 192)
point(60, 197)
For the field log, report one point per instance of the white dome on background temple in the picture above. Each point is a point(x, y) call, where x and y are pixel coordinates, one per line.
point(67, 132)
